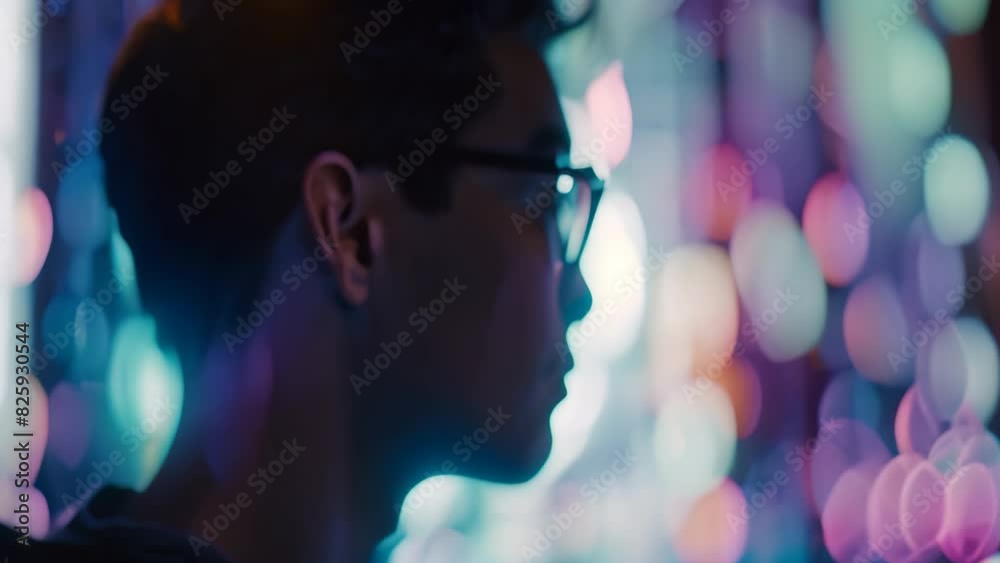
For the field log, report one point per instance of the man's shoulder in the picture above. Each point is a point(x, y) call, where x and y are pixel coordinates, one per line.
point(120, 547)
point(95, 534)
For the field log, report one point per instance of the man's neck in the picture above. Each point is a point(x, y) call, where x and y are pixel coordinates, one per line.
point(306, 486)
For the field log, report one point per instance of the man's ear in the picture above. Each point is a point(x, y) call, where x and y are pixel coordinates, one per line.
point(339, 216)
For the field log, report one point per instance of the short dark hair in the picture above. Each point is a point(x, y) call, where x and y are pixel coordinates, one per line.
point(226, 71)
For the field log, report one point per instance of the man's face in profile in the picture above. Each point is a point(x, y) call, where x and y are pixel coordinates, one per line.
point(484, 302)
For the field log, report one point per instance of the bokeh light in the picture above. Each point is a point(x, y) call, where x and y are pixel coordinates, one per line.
point(875, 332)
point(956, 190)
point(843, 518)
point(71, 425)
point(779, 282)
point(695, 318)
point(942, 372)
point(960, 18)
point(970, 530)
point(33, 235)
point(833, 205)
point(618, 267)
point(886, 510)
point(610, 111)
point(983, 364)
point(850, 396)
point(842, 445)
point(717, 193)
point(707, 533)
point(919, 79)
point(916, 425)
point(694, 442)
point(146, 392)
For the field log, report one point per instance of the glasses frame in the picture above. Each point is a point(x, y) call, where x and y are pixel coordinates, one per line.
point(539, 165)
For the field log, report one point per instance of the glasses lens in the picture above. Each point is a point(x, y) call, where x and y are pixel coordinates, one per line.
point(574, 214)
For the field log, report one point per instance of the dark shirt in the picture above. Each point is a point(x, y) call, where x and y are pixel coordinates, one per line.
point(95, 535)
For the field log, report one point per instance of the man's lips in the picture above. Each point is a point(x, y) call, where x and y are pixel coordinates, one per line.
point(555, 376)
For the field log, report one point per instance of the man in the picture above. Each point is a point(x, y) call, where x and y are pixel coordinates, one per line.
point(349, 223)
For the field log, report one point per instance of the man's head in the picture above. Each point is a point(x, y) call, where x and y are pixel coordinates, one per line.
point(404, 159)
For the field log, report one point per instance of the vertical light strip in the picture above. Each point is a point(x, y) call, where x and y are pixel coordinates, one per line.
point(21, 25)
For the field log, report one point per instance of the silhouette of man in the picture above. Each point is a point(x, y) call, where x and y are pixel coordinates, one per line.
point(353, 223)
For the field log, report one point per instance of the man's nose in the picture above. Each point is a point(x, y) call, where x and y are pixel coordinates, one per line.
point(575, 296)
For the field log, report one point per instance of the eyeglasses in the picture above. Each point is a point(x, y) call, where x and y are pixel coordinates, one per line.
point(574, 192)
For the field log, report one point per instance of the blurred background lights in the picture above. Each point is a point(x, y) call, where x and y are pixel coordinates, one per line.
point(983, 365)
point(844, 516)
point(931, 269)
point(982, 447)
point(919, 79)
point(875, 329)
point(567, 12)
point(82, 211)
point(850, 396)
point(970, 529)
point(708, 532)
point(956, 190)
point(742, 386)
point(942, 372)
point(717, 193)
point(38, 426)
point(34, 234)
point(146, 392)
point(694, 442)
point(886, 508)
point(923, 478)
point(618, 267)
point(7, 224)
point(38, 508)
point(779, 282)
point(695, 314)
point(832, 206)
point(610, 112)
point(916, 426)
point(841, 444)
point(947, 450)
point(787, 60)
point(431, 504)
point(960, 17)
point(71, 424)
